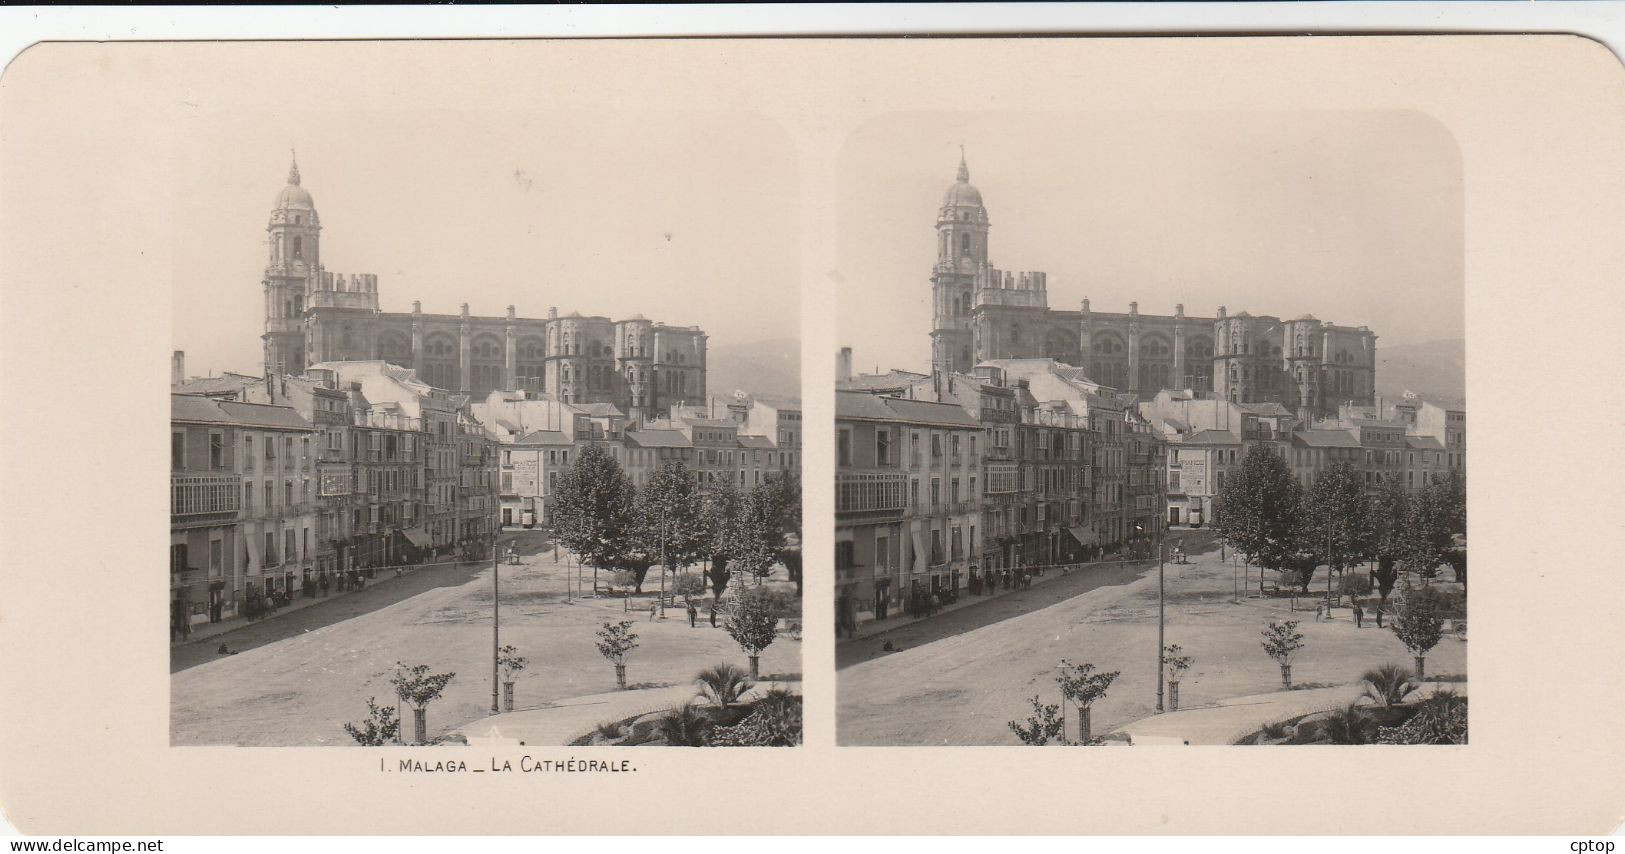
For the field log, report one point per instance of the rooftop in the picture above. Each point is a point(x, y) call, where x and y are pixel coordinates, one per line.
point(207, 410)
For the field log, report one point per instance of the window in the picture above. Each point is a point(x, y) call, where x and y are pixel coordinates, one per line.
point(883, 446)
point(177, 450)
point(217, 450)
point(216, 558)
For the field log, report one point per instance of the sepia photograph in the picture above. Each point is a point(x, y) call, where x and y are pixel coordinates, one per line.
point(535, 481)
point(1155, 481)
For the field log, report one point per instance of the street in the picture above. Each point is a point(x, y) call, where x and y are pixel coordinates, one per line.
point(297, 684)
point(961, 686)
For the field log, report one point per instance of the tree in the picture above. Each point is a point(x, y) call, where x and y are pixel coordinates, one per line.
point(721, 517)
point(1259, 511)
point(511, 663)
point(1387, 685)
point(592, 509)
point(1336, 528)
point(1354, 584)
point(1281, 642)
point(757, 537)
point(1044, 724)
point(688, 585)
point(1390, 507)
point(1419, 624)
point(416, 685)
point(380, 728)
point(723, 684)
point(1175, 665)
point(1082, 686)
point(1457, 558)
point(784, 492)
point(753, 623)
point(668, 520)
point(615, 641)
point(1426, 539)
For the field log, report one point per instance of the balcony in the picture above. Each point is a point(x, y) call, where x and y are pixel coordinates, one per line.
point(193, 496)
point(869, 491)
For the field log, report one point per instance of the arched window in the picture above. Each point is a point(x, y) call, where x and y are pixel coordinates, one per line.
point(298, 246)
point(964, 244)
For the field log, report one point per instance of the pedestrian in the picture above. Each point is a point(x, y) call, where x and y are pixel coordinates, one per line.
point(654, 609)
point(693, 614)
point(1379, 616)
point(936, 604)
point(1359, 615)
point(713, 613)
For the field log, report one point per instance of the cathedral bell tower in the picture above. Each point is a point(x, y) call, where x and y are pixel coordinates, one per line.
point(962, 227)
point(294, 233)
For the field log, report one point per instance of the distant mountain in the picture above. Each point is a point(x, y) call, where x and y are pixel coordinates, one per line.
point(771, 367)
point(1434, 369)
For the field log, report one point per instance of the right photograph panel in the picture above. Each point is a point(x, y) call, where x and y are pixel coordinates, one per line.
point(1151, 429)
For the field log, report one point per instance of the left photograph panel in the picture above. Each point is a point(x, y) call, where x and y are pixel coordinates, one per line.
point(486, 430)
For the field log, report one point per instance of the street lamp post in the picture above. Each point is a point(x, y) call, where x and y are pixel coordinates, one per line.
point(495, 623)
point(1161, 601)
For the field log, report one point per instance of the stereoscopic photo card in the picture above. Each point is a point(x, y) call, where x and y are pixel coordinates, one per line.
point(628, 436)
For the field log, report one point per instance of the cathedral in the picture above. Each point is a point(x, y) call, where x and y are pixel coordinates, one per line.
point(312, 316)
point(980, 313)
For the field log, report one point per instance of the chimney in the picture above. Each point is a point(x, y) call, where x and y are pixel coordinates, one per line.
point(177, 368)
point(843, 365)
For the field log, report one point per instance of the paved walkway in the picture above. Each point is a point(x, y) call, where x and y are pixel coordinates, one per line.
point(1227, 720)
point(566, 720)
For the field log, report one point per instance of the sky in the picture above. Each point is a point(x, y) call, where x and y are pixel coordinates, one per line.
point(1355, 217)
point(685, 217)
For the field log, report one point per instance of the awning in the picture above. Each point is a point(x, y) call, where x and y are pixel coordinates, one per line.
point(418, 537)
point(1084, 536)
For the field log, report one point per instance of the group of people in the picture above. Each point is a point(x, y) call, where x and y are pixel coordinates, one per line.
point(989, 583)
point(1323, 611)
point(693, 612)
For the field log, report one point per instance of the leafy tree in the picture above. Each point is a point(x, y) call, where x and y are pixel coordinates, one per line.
point(668, 519)
point(1390, 508)
point(1426, 540)
point(1044, 724)
point(592, 509)
point(1419, 624)
point(688, 585)
point(1282, 640)
point(1082, 686)
point(753, 623)
point(381, 726)
point(784, 491)
point(416, 685)
point(758, 538)
point(1259, 511)
point(1354, 584)
point(615, 641)
point(1454, 498)
point(1175, 665)
point(512, 663)
point(1336, 528)
point(1457, 558)
point(721, 518)
point(723, 683)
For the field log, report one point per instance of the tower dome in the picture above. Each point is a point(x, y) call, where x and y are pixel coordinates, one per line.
point(293, 196)
point(962, 194)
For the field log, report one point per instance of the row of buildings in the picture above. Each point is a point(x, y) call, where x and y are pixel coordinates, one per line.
point(945, 481)
point(280, 482)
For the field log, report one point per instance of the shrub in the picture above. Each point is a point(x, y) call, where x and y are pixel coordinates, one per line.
point(610, 730)
point(381, 726)
point(1278, 729)
point(774, 722)
point(1042, 725)
point(723, 683)
point(1440, 719)
point(1387, 685)
point(1348, 725)
point(684, 726)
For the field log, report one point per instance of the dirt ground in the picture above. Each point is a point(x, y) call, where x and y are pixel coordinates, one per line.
point(300, 690)
point(963, 689)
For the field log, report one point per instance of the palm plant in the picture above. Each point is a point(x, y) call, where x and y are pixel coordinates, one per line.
point(684, 726)
point(1387, 685)
point(1348, 725)
point(724, 683)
